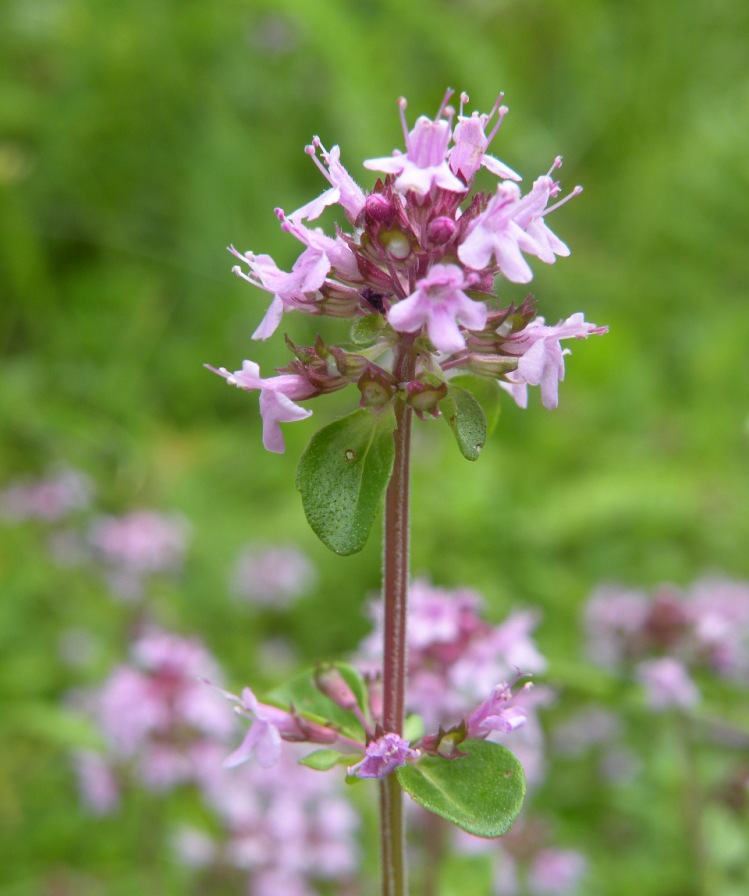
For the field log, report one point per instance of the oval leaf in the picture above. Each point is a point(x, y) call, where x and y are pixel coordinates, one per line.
point(467, 419)
point(481, 792)
point(323, 760)
point(342, 476)
point(488, 393)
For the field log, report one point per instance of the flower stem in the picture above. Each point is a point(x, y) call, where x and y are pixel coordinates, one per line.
point(395, 597)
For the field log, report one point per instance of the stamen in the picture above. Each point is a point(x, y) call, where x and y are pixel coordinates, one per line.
point(576, 192)
point(402, 103)
point(311, 151)
point(557, 164)
point(443, 105)
point(501, 112)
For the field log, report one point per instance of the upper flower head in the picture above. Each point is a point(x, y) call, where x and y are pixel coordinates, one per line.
point(417, 267)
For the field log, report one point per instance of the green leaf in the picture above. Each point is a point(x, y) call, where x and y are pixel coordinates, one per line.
point(365, 330)
point(342, 476)
point(481, 792)
point(488, 393)
point(466, 418)
point(307, 700)
point(323, 760)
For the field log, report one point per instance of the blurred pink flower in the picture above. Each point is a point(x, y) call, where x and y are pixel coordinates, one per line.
point(50, 498)
point(273, 575)
point(556, 872)
point(667, 684)
point(137, 545)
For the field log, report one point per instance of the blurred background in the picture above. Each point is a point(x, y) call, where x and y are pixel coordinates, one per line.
point(138, 140)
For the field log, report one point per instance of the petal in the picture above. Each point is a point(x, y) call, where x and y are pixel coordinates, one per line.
point(444, 331)
point(272, 319)
point(276, 408)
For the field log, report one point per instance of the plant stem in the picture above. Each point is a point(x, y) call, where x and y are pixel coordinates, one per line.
point(395, 598)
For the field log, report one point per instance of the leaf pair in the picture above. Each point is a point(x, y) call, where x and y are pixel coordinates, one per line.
point(344, 471)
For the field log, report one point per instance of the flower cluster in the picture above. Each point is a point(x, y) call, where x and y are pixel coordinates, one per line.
point(163, 727)
point(456, 658)
point(384, 751)
point(664, 637)
point(155, 715)
point(462, 677)
point(417, 268)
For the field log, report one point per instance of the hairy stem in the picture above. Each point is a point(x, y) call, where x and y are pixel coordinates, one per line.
point(395, 597)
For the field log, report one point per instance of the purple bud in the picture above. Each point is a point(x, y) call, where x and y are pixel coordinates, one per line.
point(329, 681)
point(378, 208)
point(440, 230)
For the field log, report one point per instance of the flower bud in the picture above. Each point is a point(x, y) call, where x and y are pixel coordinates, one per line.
point(424, 396)
point(440, 230)
point(329, 681)
point(378, 209)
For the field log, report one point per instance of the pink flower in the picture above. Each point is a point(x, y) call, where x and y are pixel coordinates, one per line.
point(495, 233)
point(383, 756)
point(294, 290)
point(263, 740)
point(269, 726)
point(541, 356)
point(496, 714)
point(511, 223)
point(273, 575)
point(344, 189)
point(424, 164)
point(98, 784)
point(277, 395)
point(529, 212)
point(439, 302)
point(469, 152)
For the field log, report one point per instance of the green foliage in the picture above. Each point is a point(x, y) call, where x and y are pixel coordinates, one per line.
point(481, 792)
point(467, 420)
point(324, 760)
point(343, 475)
